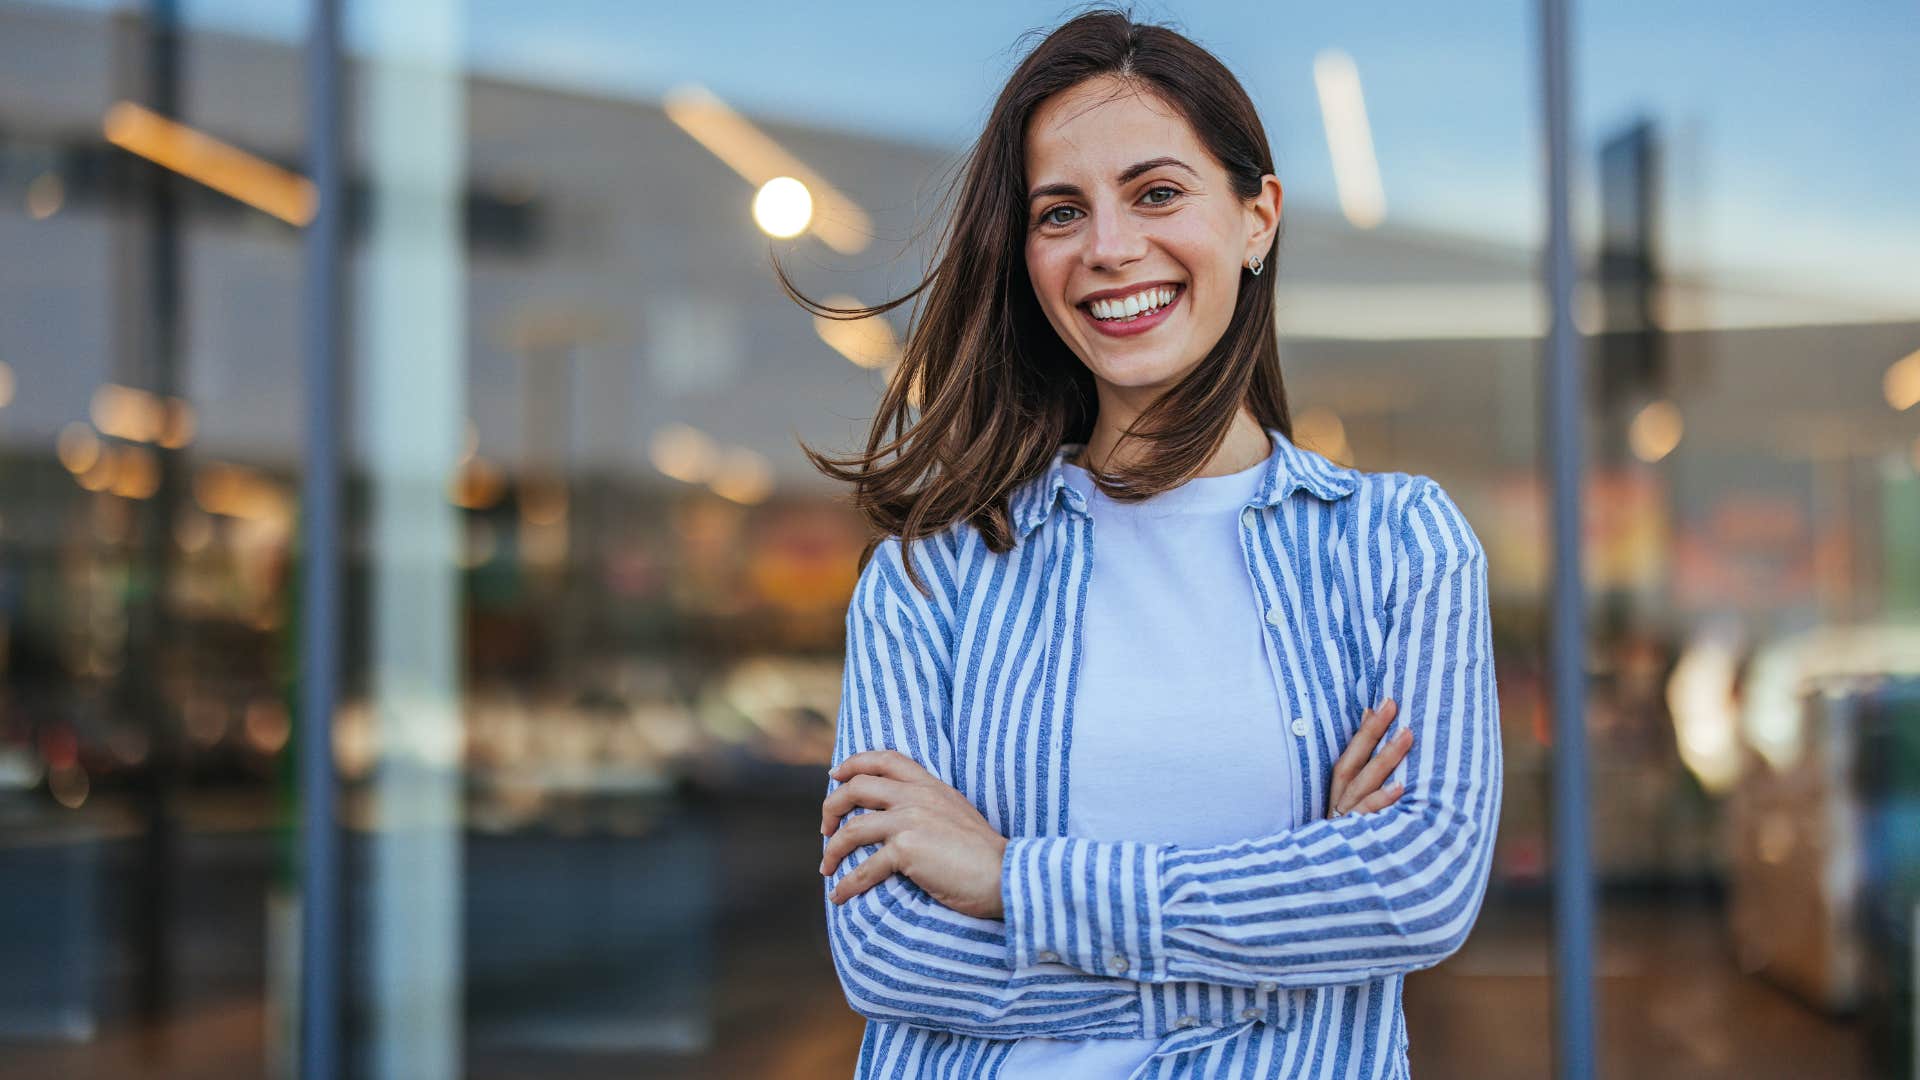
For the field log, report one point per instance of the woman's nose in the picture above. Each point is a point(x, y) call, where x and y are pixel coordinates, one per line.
point(1113, 240)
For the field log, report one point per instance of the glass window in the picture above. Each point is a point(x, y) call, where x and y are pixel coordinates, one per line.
point(596, 594)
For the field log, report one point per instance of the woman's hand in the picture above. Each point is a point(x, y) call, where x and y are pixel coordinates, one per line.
point(1356, 780)
point(925, 829)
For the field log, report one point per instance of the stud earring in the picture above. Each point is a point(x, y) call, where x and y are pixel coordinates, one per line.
point(1256, 265)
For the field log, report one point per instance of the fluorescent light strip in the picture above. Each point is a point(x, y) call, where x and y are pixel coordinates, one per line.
point(198, 156)
point(1356, 171)
point(840, 223)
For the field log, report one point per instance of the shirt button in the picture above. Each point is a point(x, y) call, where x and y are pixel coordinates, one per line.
point(1049, 957)
point(1118, 963)
point(1300, 726)
point(1268, 988)
point(1273, 616)
point(1250, 1014)
point(1186, 1021)
point(1248, 517)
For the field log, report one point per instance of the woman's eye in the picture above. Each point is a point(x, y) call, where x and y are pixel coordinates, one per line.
point(1173, 193)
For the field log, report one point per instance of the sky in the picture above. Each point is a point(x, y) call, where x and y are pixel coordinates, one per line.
point(1792, 127)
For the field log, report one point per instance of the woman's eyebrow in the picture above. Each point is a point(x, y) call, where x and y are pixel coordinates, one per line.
point(1126, 174)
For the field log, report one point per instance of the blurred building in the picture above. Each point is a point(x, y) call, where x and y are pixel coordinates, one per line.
point(651, 581)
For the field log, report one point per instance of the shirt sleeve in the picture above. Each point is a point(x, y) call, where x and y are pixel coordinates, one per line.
point(902, 955)
point(1334, 901)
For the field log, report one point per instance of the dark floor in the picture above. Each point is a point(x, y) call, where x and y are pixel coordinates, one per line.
point(750, 992)
point(1670, 1004)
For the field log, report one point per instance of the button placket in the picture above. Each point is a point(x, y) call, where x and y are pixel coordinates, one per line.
point(1276, 618)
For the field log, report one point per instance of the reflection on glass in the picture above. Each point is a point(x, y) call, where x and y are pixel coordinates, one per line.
point(597, 595)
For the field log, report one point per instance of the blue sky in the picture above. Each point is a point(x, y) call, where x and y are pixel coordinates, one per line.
point(1795, 128)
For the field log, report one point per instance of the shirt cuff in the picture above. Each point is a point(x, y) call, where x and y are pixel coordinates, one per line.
point(1089, 904)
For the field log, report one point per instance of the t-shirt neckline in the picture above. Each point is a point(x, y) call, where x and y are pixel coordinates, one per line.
point(1197, 494)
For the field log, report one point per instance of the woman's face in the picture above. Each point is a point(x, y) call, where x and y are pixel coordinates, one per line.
point(1101, 228)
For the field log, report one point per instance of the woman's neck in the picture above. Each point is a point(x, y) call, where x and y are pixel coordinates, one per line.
point(1245, 446)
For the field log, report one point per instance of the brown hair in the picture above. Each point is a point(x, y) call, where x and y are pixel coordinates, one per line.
point(996, 390)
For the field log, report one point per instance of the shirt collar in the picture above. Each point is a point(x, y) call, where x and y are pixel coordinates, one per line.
point(1289, 468)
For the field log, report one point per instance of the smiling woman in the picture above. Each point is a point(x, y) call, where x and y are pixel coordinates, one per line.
point(1140, 822)
point(1179, 234)
point(1119, 156)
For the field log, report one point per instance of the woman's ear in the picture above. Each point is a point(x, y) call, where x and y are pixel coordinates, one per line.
point(1263, 217)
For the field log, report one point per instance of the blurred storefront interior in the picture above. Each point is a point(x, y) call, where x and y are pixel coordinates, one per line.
point(595, 595)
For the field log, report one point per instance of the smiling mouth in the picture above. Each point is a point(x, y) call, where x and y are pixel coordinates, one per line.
point(1139, 322)
point(1171, 292)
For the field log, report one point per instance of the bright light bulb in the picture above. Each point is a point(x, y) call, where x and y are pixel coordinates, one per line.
point(1902, 382)
point(783, 207)
point(1655, 431)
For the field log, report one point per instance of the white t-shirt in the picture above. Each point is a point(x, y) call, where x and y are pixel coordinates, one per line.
point(1179, 732)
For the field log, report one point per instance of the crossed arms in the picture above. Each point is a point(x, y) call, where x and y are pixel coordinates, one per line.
point(1086, 923)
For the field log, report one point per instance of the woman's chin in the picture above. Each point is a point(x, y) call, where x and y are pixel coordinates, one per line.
point(1138, 372)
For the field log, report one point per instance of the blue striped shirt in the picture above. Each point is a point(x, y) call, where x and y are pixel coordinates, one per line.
point(1280, 955)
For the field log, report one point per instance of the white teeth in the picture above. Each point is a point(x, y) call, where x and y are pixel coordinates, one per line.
point(1143, 302)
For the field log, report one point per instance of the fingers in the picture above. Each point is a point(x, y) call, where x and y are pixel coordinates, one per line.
point(1375, 772)
point(865, 829)
point(863, 877)
point(1380, 800)
point(890, 763)
point(1373, 723)
point(864, 789)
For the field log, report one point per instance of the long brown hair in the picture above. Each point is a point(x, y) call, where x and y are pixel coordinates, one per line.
point(995, 388)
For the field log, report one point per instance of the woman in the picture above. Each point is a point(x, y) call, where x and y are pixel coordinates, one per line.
point(1073, 824)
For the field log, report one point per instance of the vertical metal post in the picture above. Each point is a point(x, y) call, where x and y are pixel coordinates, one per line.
point(148, 342)
point(409, 394)
point(320, 541)
point(1573, 888)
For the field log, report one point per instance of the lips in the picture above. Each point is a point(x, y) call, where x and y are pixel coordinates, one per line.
point(1130, 290)
point(1139, 324)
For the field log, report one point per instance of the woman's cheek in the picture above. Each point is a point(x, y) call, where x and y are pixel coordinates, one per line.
point(1048, 294)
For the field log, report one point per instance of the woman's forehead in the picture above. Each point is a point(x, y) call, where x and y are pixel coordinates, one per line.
point(1102, 129)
